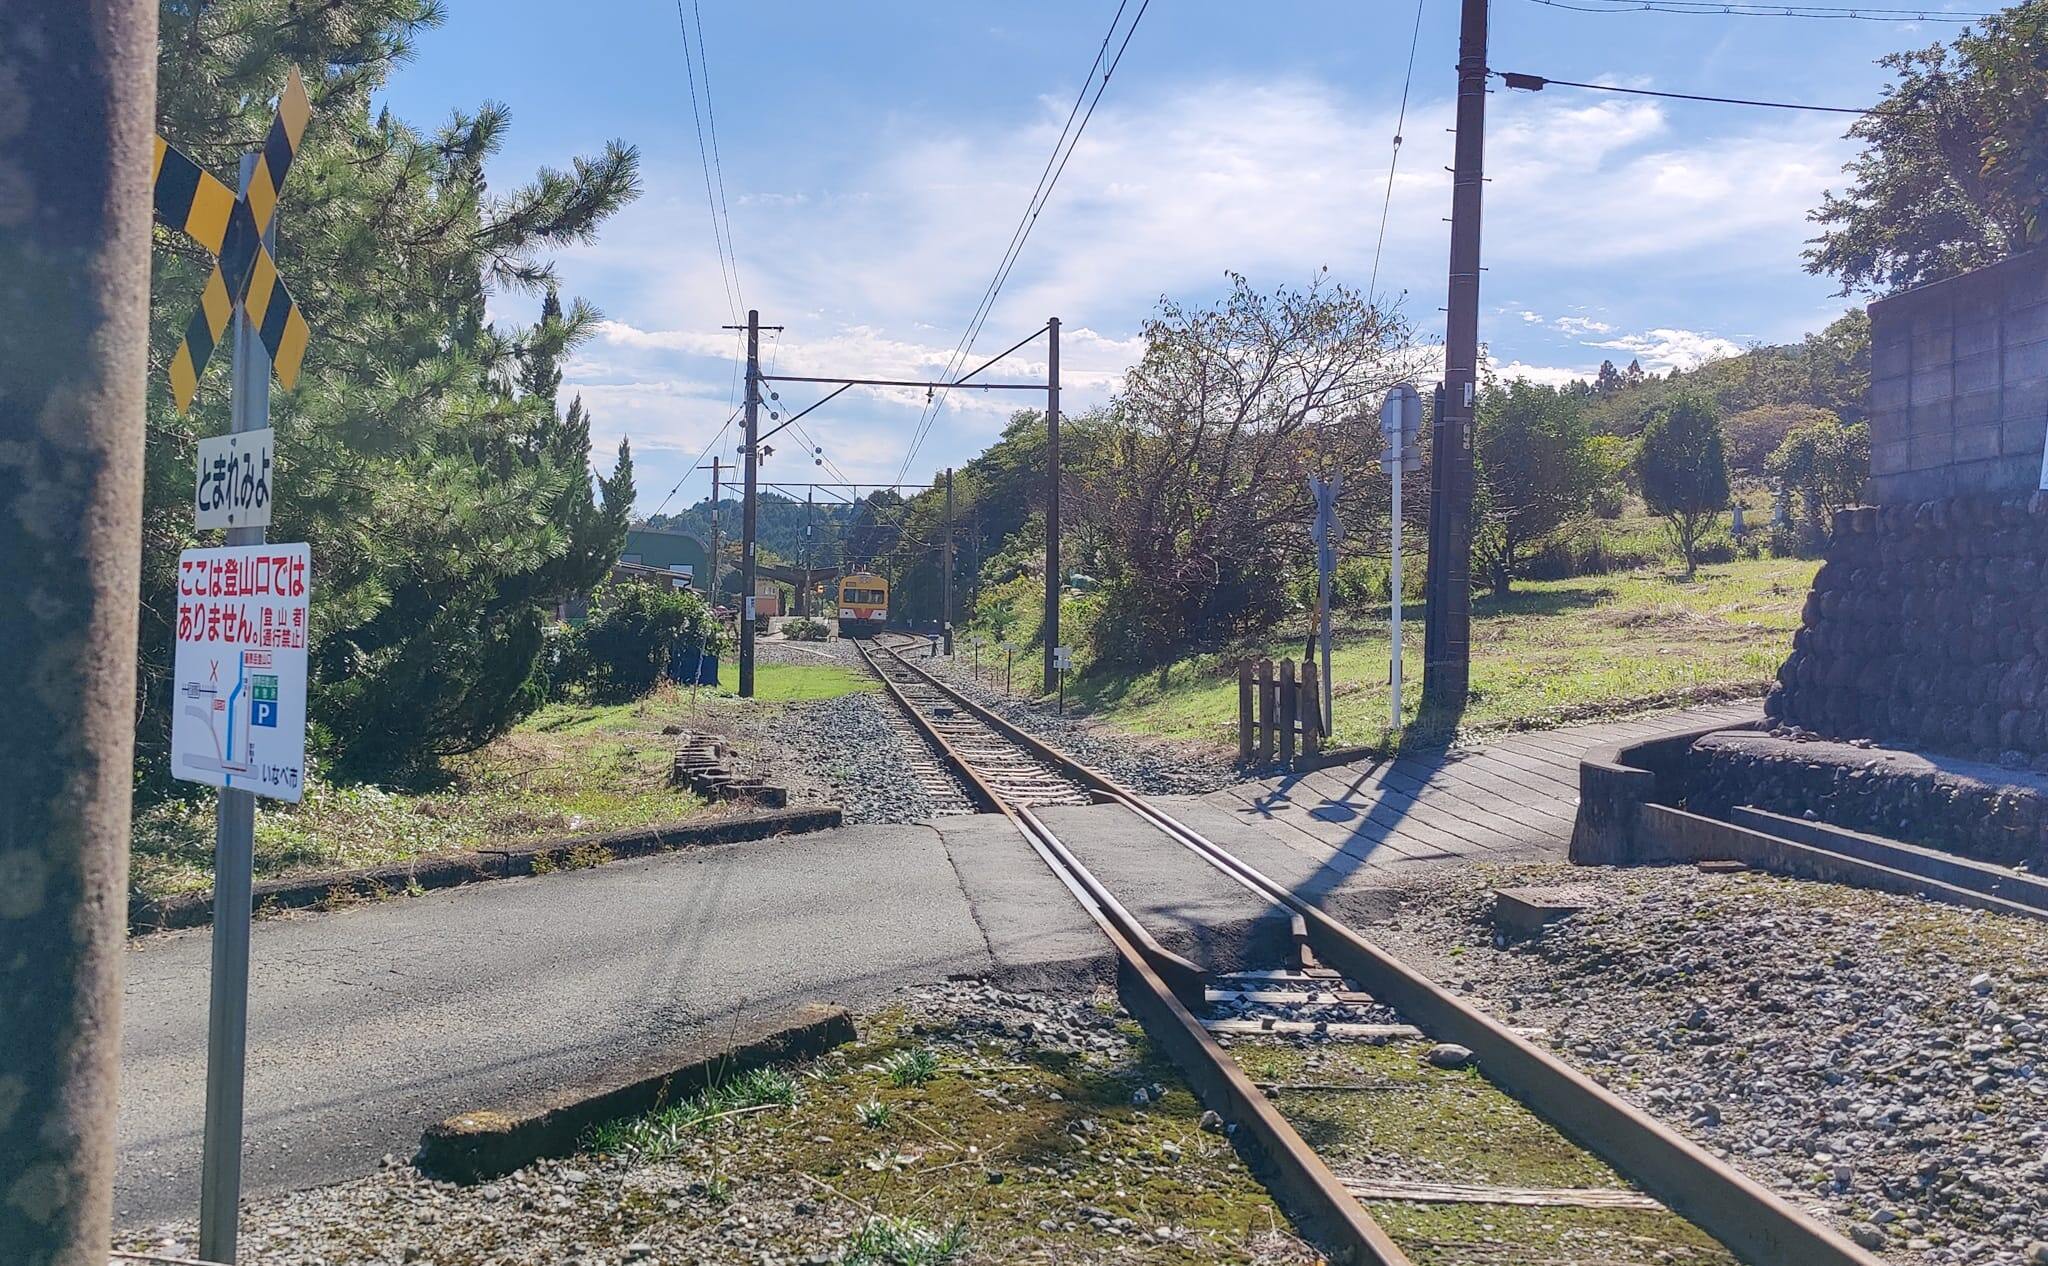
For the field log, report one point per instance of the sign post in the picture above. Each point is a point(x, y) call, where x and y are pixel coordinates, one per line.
point(1063, 661)
point(238, 715)
point(1401, 427)
point(1324, 532)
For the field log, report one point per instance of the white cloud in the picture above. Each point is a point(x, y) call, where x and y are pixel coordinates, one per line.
point(1663, 349)
point(875, 270)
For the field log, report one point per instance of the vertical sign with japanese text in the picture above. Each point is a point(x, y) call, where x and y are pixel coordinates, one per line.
point(238, 710)
point(237, 475)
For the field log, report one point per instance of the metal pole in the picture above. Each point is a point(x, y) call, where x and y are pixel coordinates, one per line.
point(1447, 666)
point(1394, 604)
point(716, 544)
point(1051, 628)
point(803, 594)
point(946, 570)
point(80, 96)
point(749, 508)
point(1326, 561)
point(234, 843)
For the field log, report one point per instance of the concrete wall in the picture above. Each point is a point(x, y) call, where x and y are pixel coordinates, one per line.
point(1959, 384)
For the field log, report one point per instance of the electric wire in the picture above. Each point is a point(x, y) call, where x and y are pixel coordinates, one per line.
point(1539, 82)
point(734, 299)
point(713, 443)
point(1400, 122)
point(1712, 8)
point(1048, 181)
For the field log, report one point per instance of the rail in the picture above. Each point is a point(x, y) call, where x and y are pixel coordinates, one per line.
point(1750, 1220)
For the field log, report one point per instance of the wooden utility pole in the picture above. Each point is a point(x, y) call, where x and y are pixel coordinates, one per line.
point(750, 506)
point(946, 570)
point(1447, 643)
point(1051, 624)
point(717, 473)
point(80, 94)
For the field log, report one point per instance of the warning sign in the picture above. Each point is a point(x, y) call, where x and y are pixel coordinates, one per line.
point(238, 717)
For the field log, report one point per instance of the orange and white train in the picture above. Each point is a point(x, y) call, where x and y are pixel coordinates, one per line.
point(863, 603)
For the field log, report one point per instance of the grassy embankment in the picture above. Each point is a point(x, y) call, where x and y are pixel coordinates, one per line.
point(570, 769)
point(1549, 653)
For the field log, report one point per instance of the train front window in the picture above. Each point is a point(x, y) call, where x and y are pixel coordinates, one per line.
point(863, 597)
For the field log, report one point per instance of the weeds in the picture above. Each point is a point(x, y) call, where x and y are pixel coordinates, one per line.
point(872, 1113)
point(585, 856)
point(886, 1241)
point(662, 1134)
point(542, 863)
point(718, 1188)
point(908, 1068)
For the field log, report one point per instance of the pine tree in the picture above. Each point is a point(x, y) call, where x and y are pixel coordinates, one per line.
point(421, 454)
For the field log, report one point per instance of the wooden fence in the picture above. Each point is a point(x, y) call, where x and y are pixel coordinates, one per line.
point(1274, 713)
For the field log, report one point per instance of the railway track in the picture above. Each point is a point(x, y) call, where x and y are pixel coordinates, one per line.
point(1340, 1045)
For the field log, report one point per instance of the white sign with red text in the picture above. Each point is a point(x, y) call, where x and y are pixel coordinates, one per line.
point(238, 708)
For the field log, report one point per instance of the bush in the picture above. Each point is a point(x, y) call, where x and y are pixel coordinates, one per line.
point(806, 630)
point(1683, 465)
point(623, 651)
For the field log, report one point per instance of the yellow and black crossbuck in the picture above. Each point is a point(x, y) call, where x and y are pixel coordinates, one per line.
point(189, 198)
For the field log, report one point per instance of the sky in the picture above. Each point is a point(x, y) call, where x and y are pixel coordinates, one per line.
point(876, 156)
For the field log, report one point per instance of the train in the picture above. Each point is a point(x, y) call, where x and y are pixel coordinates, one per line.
point(863, 603)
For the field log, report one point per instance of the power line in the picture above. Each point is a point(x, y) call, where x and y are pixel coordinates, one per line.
point(1715, 8)
point(698, 463)
point(1400, 121)
point(735, 299)
point(1536, 83)
point(1048, 180)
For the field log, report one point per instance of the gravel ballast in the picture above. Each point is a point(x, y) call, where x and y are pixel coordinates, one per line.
point(1878, 1058)
point(1148, 766)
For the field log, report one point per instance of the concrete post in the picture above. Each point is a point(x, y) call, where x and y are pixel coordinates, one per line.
point(78, 101)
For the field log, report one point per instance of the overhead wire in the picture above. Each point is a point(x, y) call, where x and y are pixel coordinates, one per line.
point(1733, 8)
point(1041, 195)
point(1400, 123)
point(1536, 83)
point(735, 299)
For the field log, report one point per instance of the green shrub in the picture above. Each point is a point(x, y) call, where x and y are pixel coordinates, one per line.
point(806, 630)
point(634, 629)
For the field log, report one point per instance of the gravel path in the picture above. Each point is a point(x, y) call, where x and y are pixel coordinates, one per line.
point(1152, 767)
point(1879, 1057)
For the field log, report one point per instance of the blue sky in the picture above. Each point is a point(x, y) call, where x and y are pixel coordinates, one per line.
point(876, 156)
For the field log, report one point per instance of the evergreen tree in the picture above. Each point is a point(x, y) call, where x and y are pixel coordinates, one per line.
point(1608, 381)
point(1534, 471)
point(1683, 465)
point(445, 508)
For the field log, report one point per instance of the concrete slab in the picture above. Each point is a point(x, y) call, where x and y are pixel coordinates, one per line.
point(1038, 935)
point(366, 1025)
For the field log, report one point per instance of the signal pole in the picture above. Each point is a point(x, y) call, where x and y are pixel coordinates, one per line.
point(946, 570)
point(1447, 637)
point(717, 464)
point(1051, 623)
point(749, 508)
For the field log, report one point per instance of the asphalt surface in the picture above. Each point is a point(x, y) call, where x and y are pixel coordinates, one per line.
point(366, 1025)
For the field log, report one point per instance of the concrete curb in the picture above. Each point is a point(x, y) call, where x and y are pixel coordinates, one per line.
point(448, 870)
point(491, 1142)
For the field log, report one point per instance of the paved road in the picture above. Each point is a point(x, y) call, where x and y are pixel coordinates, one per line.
point(368, 1024)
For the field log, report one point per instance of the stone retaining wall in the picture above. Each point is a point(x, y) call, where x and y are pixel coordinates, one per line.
point(1927, 628)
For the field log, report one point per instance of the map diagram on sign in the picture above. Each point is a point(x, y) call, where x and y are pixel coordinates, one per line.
point(238, 718)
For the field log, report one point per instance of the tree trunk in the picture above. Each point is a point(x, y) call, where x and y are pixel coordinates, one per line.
point(77, 95)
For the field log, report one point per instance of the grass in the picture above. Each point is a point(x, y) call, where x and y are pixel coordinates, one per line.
point(662, 1134)
point(886, 1241)
point(1549, 653)
point(909, 1068)
point(569, 769)
point(803, 683)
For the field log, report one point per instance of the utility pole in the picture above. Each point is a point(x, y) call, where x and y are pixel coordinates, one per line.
point(946, 570)
point(1447, 647)
point(749, 508)
point(803, 595)
point(717, 464)
point(1051, 624)
point(74, 336)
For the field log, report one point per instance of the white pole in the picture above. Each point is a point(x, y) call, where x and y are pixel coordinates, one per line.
point(1394, 605)
point(1325, 557)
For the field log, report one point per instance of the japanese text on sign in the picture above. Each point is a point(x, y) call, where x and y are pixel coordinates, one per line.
point(238, 711)
point(235, 480)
